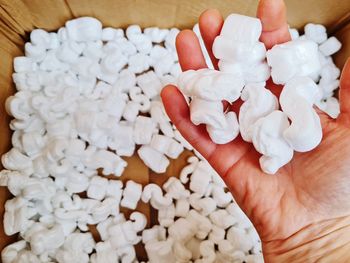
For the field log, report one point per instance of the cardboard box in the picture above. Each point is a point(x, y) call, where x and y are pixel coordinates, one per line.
point(19, 17)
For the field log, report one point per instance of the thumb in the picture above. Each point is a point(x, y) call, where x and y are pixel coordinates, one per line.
point(344, 94)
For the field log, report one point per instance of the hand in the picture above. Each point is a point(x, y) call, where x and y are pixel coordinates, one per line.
point(307, 203)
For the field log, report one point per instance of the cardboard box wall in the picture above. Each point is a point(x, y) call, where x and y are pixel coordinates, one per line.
point(19, 17)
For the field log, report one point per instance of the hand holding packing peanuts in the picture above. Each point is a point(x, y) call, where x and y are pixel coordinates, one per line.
point(306, 205)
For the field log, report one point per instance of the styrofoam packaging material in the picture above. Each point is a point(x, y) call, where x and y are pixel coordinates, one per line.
point(153, 159)
point(131, 194)
point(239, 50)
point(87, 95)
point(330, 106)
point(84, 29)
point(212, 85)
point(293, 59)
point(316, 33)
point(330, 46)
point(207, 112)
point(258, 102)
point(228, 134)
point(302, 92)
point(266, 133)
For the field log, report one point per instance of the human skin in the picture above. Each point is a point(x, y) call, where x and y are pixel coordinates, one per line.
point(302, 213)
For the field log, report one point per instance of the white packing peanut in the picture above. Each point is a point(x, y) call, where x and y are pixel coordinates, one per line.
point(166, 215)
point(293, 59)
point(153, 193)
point(330, 46)
point(153, 159)
point(166, 145)
point(266, 132)
point(131, 195)
point(84, 29)
point(97, 188)
point(302, 92)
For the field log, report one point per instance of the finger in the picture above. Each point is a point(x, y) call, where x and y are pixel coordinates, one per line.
point(272, 14)
point(189, 51)
point(210, 24)
point(344, 94)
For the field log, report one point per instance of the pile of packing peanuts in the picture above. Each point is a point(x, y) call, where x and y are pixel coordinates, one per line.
point(87, 96)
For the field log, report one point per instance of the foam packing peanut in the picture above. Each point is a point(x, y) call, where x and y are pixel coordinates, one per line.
point(144, 127)
point(207, 251)
point(149, 83)
point(166, 145)
point(122, 235)
point(330, 46)
point(153, 193)
point(47, 239)
point(182, 230)
point(330, 106)
point(207, 112)
point(268, 139)
point(160, 251)
point(228, 134)
point(156, 233)
point(315, 32)
point(104, 253)
point(182, 207)
point(239, 50)
point(222, 219)
point(84, 29)
point(141, 41)
point(139, 221)
point(297, 99)
point(175, 189)
point(241, 28)
point(235, 236)
point(292, 59)
point(24, 64)
point(156, 34)
point(131, 194)
point(182, 253)
point(202, 223)
point(166, 215)
point(10, 252)
point(37, 53)
point(193, 246)
point(200, 179)
point(127, 254)
point(97, 188)
point(258, 102)
point(153, 159)
point(210, 84)
point(76, 248)
point(221, 198)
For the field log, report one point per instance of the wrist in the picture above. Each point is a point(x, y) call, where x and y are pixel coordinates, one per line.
point(326, 241)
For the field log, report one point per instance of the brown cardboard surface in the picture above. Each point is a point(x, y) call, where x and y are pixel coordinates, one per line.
point(19, 17)
point(344, 36)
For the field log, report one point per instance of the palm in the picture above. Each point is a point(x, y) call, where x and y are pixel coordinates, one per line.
point(312, 187)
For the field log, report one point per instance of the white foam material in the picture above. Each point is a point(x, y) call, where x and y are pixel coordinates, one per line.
point(293, 59)
point(258, 102)
point(79, 96)
point(297, 99)
point(268, 139)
